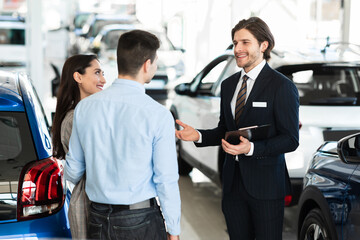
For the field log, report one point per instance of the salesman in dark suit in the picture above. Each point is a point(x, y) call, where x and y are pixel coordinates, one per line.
point(255, 177)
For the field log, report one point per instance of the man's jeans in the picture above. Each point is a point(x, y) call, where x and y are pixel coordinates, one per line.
point(105, 222)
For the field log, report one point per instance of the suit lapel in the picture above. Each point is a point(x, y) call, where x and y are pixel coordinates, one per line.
point(260, 84)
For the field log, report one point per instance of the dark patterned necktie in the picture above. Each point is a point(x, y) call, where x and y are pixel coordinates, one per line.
point(240, 100)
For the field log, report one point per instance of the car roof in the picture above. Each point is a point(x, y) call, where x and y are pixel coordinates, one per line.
point(315, 55)
point(112, 27)
point(335, 56)
point(10, 96)
point(127, 18)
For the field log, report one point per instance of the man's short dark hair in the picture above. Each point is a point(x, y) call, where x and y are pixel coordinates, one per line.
point(134, 49)
point(259, 29)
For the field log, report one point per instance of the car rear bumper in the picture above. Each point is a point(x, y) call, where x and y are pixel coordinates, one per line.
point(55, 226)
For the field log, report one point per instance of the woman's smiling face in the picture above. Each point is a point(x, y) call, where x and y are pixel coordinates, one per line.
point(92, 81)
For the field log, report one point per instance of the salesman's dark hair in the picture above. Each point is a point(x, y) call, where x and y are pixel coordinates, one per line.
point(259, 29)
point(134, 49)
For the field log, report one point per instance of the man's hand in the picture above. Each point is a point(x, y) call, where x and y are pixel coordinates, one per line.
point(172, 237)
point(188, 133)
point(242, 148)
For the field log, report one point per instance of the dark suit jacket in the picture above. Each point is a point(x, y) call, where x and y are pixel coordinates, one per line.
point(264, 174)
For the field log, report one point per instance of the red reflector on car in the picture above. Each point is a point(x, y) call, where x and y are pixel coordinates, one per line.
point(288, 199)
point(40, 190)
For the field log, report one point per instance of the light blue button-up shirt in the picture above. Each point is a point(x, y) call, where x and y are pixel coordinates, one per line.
point(125, 141)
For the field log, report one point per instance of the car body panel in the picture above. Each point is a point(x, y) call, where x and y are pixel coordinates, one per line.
point(352, 228)
point(334, 187)
point(47, 227)
point(10, 99)
point(18, 98)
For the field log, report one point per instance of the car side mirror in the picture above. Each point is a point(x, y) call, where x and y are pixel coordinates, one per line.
point(184, 89)
point(348, 149)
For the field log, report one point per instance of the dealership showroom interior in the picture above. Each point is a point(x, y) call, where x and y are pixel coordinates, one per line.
point(317, 50)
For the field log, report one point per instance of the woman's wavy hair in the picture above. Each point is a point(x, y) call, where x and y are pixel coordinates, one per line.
point(68, 96)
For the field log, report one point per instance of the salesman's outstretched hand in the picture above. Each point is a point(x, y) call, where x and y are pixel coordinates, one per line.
point(188, 133)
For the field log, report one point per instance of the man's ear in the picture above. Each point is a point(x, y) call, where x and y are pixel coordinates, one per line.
point(77, 77)
point(264, 46)
point(147, 65)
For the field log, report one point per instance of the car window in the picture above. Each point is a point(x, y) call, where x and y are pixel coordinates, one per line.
point(99, 24)
point(214, 74)
point(329, 147)
point(12, 36)
point(324, 84)
point(230, 69)
point(16, 149)
point(16, 146)
point(165, 43)
point(81, 19)
point(210, 77)
point(112, 37)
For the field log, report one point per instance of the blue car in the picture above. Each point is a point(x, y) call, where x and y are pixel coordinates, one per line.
point(33, 198)
point(329, 206)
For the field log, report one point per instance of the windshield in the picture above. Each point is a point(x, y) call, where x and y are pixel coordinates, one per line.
point(322, 84)
point(81, 19)
point(112, 37)
point(16, 149)
point(99, 24)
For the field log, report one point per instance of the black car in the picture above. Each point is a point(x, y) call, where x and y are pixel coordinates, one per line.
point(329, 206)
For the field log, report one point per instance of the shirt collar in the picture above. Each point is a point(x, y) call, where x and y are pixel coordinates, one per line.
point(130, 83)
point(254, 73)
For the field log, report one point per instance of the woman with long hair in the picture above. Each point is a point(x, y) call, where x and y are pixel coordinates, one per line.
point(81, 76)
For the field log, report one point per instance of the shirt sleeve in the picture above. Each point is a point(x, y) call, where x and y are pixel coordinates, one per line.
point(200, 137)
point(251, 152)
point(75, 161)
point(166, 173)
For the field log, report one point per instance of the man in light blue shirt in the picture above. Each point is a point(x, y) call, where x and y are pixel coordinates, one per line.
point(125, 142)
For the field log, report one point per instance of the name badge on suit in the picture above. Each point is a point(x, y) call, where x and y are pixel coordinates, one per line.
point(259, 104)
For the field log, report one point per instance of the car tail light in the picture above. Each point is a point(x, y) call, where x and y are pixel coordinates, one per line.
point(288, 199)
point(40, 190)
point(300, 125)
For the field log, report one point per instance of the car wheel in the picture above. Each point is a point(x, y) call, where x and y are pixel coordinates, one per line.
point(315, 227)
